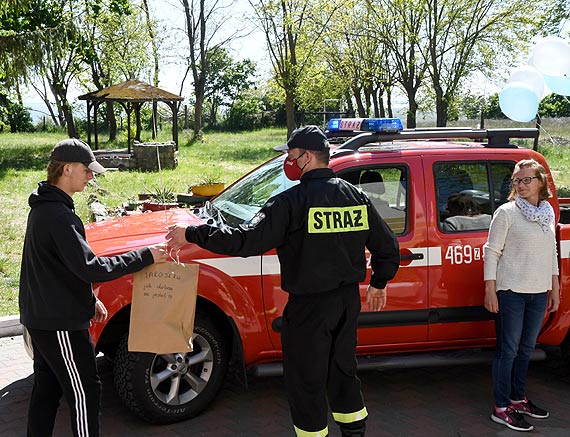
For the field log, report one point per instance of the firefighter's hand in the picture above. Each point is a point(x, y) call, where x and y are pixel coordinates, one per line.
point(375, 298)
point(176, 237)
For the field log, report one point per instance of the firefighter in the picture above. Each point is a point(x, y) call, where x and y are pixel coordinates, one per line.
point(320, 229)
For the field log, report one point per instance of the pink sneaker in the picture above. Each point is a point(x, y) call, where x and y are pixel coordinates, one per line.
point(511, 418)
point(528, 408)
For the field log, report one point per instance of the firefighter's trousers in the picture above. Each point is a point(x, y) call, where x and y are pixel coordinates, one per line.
point(319, 345)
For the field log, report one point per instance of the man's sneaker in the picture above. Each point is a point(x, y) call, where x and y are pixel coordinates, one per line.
point(528, 408)
point(511, 418)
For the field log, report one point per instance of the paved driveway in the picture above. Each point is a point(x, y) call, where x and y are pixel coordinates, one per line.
point(441, 401)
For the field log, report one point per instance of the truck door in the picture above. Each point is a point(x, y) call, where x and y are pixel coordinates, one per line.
point(396, 189)
point(462, 196)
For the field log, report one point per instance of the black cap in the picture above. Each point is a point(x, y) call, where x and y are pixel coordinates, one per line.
point(308, 137)
point(75, 150)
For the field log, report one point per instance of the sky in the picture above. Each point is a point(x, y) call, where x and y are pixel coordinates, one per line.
point(239, 13)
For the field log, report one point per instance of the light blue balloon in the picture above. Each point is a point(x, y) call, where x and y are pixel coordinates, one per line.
point(558, 84)
point(518, 101)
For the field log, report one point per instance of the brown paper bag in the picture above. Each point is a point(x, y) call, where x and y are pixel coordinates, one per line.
point(163, 308)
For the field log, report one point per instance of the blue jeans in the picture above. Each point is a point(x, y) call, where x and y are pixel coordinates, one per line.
point(517, 325)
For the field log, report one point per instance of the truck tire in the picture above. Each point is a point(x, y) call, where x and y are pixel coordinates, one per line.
point(169, 388)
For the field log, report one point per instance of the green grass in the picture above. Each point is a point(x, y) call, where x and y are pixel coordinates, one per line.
point(24, 157)
point(223, 156)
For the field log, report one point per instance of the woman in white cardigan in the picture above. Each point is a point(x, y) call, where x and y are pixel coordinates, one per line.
point(520, 269)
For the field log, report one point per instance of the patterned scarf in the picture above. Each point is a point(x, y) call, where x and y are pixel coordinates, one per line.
point(543, 214)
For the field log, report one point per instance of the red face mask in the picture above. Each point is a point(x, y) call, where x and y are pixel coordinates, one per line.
point(291, 168)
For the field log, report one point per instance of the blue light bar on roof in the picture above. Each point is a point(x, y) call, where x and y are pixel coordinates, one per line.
point(365, 124)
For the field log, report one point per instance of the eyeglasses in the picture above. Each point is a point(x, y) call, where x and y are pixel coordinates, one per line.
point(525, 181)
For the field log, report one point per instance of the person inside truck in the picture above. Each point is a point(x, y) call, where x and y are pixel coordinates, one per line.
point(464, 214)
point(520, 267)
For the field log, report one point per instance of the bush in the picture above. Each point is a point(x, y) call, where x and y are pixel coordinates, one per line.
point(245, 114)
point(492, 108)
point(554, 105)
point(18, 118)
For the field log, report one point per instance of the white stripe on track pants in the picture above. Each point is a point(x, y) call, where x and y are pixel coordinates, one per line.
point(64, 364)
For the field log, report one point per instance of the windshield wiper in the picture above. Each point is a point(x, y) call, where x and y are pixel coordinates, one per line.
point(215, 212)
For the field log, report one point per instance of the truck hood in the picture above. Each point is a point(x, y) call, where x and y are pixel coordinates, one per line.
point(122, 234)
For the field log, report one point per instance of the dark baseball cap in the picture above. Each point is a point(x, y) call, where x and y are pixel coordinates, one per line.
point(75, 150)
point(307, 137)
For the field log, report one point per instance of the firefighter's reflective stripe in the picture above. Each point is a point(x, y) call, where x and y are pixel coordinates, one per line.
point(338, 219)
point(350, 417)
point(322, 433)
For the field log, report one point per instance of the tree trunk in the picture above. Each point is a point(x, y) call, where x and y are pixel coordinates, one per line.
point(412, 108)
point(441, 107)
point(65, 111)
point(290, 111)
point(198, 109)
point(367, 99)
point(70, 124)
point(389, 102)
point(359, 104)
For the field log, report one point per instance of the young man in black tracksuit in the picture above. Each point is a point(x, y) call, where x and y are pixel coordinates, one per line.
point(320, 229)
point(57, 303)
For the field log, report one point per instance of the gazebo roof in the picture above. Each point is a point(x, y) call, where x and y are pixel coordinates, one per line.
point(131, 91)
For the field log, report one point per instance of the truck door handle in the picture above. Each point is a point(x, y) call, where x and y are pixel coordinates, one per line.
point(411, 256)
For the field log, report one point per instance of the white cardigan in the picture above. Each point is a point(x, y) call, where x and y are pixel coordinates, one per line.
point(518, 254)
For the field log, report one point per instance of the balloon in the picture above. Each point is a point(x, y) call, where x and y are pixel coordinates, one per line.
point(551, 56)
point(558, 84)
point(518, 101)
point(531, 76)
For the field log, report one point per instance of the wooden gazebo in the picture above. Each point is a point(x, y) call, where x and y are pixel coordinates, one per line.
point(131, 95)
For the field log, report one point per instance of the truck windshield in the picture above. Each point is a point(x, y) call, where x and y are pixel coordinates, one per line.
point(239, 203)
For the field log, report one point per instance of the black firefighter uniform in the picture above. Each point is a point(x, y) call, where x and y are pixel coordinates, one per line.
point(320, 229)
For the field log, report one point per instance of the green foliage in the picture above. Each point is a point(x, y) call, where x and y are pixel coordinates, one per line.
point(492, 108)
point(471, 105)
point(554, 105)
point(225, 80)
point(245, 113)
point(18, 118)
point(163, 194)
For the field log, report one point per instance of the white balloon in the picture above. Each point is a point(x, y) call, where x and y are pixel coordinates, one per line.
point(551, 56)
point(530, 76)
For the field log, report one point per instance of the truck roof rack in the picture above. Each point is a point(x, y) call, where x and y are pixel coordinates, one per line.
point(495, 137)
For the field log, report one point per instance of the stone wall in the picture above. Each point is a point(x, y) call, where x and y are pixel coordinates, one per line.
point(146, 157)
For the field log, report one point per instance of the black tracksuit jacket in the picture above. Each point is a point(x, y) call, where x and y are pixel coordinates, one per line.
point(58, 266)
point(320, 228)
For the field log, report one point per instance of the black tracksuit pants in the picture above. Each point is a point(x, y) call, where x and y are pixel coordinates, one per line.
point(319, 346)
point(64, 364)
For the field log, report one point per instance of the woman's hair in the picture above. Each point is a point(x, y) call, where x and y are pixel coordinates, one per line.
point(54, 171)
point(461, 204)
point(539, 172)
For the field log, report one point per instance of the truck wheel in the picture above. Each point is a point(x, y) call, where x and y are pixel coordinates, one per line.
point(173, 387)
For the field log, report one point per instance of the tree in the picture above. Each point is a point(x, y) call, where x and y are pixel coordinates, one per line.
point(492, 109)
point(292, 29)
point(117, 48)
point(226, 79)
point(27, 29)
point(398, 26)
point(554, 105)
point(464, 36)
point(204, 21)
